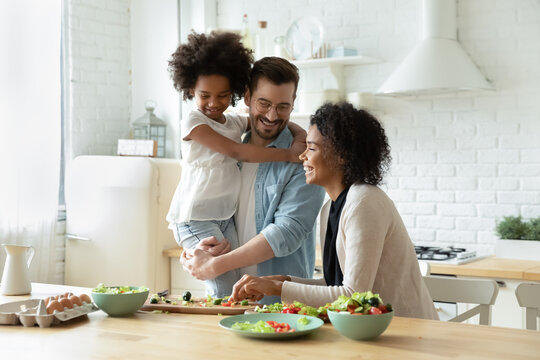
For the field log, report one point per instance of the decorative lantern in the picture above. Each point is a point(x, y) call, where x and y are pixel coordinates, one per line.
point(150, 127)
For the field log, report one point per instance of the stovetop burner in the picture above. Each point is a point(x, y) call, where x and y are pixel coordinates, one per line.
point(442, 254)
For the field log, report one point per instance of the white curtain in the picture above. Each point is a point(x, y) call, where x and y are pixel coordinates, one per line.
point(30, 129)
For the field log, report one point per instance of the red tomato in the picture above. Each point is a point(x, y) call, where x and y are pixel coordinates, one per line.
point(375, 311)
point(383, 309)
point(225, 303)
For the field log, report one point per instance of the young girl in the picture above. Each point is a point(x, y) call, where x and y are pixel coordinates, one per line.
point(214, 70)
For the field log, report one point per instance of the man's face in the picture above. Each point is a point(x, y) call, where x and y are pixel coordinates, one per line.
point(267, 124)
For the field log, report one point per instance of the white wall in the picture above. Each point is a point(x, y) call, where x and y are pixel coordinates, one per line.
point(98, 79)
point(154, 37)
point(460, 161)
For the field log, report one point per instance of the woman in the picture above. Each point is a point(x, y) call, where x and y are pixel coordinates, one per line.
point(364, 241)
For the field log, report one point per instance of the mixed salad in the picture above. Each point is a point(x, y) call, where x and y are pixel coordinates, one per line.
point(269, 326)
point(364, 303)
point(294, 308)
point(118, 289)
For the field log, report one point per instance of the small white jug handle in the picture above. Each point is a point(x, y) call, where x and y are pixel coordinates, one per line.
point(30, 257)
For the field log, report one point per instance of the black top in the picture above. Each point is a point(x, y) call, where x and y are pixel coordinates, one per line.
point(332, 271)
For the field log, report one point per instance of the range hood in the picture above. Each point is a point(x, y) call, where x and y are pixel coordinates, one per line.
point(438, 64)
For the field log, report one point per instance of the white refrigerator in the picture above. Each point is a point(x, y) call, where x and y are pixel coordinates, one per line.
point(115, 228)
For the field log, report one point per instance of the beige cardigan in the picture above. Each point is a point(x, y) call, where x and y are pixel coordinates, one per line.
point(375, 253)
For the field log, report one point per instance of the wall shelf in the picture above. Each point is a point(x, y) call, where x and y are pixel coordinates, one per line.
point(345, 60)
point(335, 66)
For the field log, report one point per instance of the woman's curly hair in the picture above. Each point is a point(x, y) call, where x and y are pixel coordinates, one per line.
point(358, 140)
point(220, 53)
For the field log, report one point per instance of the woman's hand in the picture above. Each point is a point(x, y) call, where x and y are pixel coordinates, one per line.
point(199, 263)
point(277, 277)
point(252, 287)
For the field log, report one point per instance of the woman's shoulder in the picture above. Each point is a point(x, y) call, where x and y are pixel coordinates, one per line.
point(366, 191)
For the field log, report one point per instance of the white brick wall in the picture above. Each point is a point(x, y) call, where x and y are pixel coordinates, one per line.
point(460, 161)
point(99, 87)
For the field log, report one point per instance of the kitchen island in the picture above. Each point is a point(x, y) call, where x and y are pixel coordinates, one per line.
point(187, 336)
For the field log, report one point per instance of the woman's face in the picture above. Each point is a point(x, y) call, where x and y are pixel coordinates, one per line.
point(321, 164)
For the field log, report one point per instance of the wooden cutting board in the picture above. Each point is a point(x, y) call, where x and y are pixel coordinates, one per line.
point(198, 307)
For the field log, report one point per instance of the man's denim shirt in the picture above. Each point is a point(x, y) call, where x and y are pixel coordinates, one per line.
point(286, 210)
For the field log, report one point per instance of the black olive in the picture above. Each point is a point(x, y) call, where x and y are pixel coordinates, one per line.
point(168, 301)
point(186, 296)
point(373, 301)
point(153, 300)
point(389, 307)
point(363, 300)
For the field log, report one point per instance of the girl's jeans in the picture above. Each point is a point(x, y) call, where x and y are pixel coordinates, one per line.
point(188, 235)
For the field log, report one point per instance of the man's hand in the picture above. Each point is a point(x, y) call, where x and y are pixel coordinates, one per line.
point(252, 287)
point(213, 246)
point(199, 263)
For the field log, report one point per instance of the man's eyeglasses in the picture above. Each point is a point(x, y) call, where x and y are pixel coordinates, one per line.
point(264, 106)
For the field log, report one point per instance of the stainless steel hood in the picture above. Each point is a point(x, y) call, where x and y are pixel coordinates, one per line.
point(438, 64)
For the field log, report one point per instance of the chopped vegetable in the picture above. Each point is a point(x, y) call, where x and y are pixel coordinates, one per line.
point(303, 321)
point(365, 303)
point(186, 296)
point(263, 327)
point(118, 289)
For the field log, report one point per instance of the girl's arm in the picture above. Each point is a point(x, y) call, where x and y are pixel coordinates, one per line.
point(205, 136)
point(299, 138)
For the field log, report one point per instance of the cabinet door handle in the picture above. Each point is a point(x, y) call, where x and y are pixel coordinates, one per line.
point(76, 237)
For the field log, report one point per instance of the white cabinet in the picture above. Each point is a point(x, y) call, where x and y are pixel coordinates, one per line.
point(182, 281)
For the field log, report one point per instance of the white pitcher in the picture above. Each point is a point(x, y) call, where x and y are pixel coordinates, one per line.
point(16, 279)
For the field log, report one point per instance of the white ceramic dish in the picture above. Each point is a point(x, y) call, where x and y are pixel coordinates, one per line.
point(304, 38)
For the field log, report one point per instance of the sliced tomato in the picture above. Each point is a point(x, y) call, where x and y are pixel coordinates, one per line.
point(383, 309)
point(375, 311)
point(225, 303)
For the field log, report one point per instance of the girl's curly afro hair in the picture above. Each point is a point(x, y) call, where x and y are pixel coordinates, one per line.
point(357, 139)
point(220, 53)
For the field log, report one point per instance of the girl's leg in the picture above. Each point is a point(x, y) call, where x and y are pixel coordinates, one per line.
point(188, 236)
point(225, 282)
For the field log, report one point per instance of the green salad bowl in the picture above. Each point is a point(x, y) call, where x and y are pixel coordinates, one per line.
point(120, 304)
point(360, 327)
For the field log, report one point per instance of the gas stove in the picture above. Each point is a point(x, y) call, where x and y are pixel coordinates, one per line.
point(448, 255)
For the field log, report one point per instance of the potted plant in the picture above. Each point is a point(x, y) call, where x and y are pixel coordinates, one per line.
point(518, 239)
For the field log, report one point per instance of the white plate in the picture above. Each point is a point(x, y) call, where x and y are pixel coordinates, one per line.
point(304, 37)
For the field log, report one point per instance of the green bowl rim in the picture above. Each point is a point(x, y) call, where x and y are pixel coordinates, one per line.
point(348, 313)
point(130, 287)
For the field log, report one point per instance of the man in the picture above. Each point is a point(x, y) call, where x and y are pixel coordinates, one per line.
point(277, 209)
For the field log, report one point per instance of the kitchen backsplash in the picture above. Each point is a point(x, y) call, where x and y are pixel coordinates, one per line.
point(460, 161)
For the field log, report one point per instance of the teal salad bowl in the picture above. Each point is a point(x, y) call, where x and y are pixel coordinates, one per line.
point(360, 327)
point(116, 303)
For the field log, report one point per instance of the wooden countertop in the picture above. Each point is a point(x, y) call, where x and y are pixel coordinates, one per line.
point(492, 267)
point(147, 335)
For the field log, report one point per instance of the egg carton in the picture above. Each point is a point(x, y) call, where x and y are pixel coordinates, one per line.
point(30, 312)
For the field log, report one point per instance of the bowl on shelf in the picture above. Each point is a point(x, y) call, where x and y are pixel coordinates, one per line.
point(120, 304)
point(360, 327)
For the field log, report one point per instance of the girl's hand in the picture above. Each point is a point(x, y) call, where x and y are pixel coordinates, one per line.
point(298, 147)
